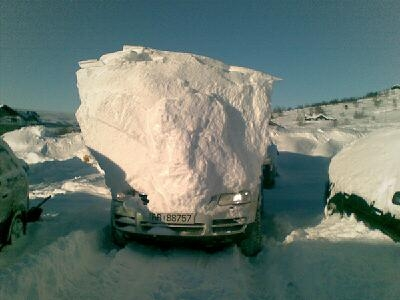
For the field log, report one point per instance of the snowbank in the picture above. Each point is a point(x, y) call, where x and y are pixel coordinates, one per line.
point(37, 144)
point(58, 164)
point(370, 168)
point(178, 127)
point(338, 228)
point(315, 141)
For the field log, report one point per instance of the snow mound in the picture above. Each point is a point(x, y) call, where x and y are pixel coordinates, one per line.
point(370, 168)
point(47, 276)
point(336, 228)
point(37, 144)
point(315, 141)
point(176, 126)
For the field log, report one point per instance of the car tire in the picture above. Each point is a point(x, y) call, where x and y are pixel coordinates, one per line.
point(16, 229)
point(268, 174)
point(117, 237)
point(330, 209)
point(251, 245)
point(336, 205)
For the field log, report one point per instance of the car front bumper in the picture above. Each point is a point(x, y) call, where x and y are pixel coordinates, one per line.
point(215, 222)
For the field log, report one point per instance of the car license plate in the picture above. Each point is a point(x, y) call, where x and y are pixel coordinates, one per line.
point(172, 218)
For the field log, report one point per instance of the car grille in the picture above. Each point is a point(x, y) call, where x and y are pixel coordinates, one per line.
point(228, 226)
point(218, 226)
point(123, 221)
point(180, 229)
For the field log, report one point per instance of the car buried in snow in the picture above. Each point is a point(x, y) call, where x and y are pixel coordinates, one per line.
point(227, 218)
point(13, 195)
point(365, 181)
point(188, 131)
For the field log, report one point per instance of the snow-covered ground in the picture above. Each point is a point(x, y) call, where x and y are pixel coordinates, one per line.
point(68, 254)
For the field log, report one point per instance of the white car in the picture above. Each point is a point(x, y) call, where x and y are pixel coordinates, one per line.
point(14, 193)
point(365, 180)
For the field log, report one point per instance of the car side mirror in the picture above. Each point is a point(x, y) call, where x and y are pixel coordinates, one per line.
point(396, 198)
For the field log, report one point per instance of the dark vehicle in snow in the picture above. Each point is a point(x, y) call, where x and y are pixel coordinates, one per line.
point(352, 204)
point(365, 181)
point(13, 195)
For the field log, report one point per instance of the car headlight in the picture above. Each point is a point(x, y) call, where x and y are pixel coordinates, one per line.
point(124, 205)
point(232, 199)
point(120, 197)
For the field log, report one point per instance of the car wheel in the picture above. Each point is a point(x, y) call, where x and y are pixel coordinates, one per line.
point(330, 209)
point(17, 228)
point(117, 237)
point(336, 205)
point(251, 245)
point(268, 180)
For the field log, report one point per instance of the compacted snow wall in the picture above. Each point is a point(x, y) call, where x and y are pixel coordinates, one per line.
point(176, 126)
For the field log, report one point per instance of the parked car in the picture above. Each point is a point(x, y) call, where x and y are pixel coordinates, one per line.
point(269, 168)
point(13, 195)
point(230, 217)
point(365, 180)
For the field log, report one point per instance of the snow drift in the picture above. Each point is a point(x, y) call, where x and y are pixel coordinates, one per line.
point(176, 126)
point(375, 169)
point(36, 144)
point(315, 141)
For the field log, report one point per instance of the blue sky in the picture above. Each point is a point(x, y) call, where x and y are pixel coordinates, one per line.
point(321, 49)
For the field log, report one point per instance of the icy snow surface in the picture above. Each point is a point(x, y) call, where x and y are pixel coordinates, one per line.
point(176, 126)
point(370, 168)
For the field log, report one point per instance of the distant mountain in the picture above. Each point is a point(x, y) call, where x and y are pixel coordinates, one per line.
point(58, 118)
point(11, 119)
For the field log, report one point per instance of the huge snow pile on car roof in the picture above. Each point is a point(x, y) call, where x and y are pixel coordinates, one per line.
point(370, 168)
point(176, 126)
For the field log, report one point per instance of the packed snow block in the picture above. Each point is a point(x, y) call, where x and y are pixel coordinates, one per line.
point(178, 127)
point(90, 63)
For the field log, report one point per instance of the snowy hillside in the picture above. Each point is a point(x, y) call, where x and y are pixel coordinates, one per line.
point(370, 112)
point(68, 254)
point(327, 137)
